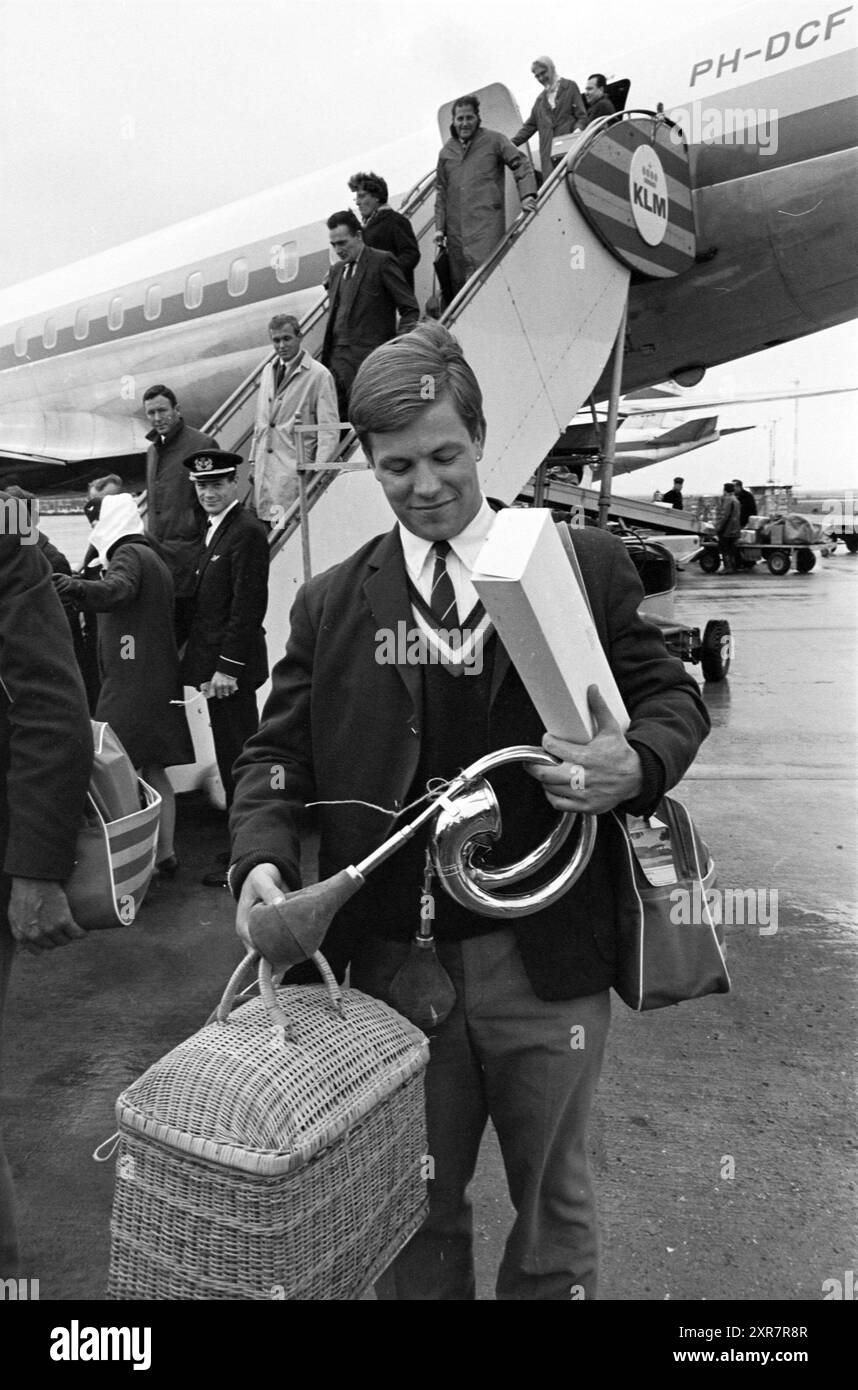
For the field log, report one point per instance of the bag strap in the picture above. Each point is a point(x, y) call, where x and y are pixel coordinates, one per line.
point(690, 847)
point(691, 853)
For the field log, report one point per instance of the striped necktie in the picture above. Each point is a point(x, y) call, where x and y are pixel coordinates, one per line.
point(442, 599)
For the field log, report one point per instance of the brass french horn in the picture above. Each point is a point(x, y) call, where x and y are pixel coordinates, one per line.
point(467, 819)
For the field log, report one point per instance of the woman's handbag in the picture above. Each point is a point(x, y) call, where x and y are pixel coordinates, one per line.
point(116, 845)
point(671, 944)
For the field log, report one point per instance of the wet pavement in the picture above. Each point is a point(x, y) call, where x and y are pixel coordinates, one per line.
point(723, 1142)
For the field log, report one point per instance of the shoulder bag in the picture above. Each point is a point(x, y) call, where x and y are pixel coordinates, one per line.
point(671, 944)
point(117, 843)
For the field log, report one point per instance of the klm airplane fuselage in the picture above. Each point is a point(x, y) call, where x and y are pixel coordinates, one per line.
point(767, 103)
point(775, 202)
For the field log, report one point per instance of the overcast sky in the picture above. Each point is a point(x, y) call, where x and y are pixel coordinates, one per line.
point(121, 116)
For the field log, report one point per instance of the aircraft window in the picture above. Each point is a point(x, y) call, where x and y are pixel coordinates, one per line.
point(285, 260)
point(115, 313)
point(194, 290)
point(49, 333)
point(152, 302)
point(20, 342)
point(81, 322)
point(239, 275)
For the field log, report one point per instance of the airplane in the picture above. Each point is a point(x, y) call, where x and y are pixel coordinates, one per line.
point(766, 98)
point(643, 413)
point(579, 447)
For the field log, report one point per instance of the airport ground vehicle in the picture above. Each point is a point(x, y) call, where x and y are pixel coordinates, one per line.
point(657, 570)
point(779, 558)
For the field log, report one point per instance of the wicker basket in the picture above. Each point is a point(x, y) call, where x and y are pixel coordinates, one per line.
point(273, 1163)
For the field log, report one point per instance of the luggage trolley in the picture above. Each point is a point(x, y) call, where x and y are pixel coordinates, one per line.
point(779, 557)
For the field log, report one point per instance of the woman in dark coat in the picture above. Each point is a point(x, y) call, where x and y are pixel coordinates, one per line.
point(384, 229)
point(137, 653)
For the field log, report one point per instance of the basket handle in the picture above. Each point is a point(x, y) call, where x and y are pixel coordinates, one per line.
point(268, 980)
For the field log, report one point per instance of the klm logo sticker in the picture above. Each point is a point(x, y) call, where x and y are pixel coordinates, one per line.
point(648, 195)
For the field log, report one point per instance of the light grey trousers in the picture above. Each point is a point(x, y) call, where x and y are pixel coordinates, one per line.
point(532, 1067)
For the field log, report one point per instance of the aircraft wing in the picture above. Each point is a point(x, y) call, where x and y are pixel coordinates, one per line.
point(14, 458)
point(29, 470)
point(652, 403)
point(46, 448)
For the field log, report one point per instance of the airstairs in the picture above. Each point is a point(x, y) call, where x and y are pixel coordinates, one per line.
point(537, 322)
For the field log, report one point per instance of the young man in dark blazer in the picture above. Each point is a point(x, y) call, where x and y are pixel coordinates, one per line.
point(366, 291)
point(359, 734)
point(226, 657)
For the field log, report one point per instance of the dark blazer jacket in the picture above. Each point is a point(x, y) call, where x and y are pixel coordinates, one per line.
point(229, 602)
point(380, 290)
point(342, 726)
point(45, 733)
point(603, 107)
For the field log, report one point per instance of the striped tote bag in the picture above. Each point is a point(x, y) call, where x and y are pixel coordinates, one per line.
point(117, 843)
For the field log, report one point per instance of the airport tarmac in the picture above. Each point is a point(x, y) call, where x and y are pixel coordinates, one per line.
point(723, 1142)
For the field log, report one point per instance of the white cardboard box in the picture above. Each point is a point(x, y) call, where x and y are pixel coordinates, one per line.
point(531, 593)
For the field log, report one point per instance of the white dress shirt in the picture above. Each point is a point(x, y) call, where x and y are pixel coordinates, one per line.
point(461, 560)
point(215, 521)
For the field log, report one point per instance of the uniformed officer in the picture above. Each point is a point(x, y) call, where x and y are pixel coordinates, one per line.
point(226, 657)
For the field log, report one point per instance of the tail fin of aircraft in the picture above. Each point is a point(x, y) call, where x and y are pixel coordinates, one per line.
point(703, 431)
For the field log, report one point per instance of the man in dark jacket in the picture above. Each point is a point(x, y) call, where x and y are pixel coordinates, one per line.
point(361, 736)
point(173, 517)
point(384, 229)
point(558, 111)
point(598, 102)
point(226, 657)
point(366, 289)
point(747, 502)
point(45, 763)
point(674, 495)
